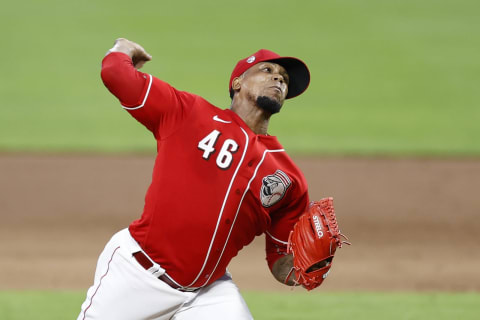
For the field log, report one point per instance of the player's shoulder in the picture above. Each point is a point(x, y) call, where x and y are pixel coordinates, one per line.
point(204, 106)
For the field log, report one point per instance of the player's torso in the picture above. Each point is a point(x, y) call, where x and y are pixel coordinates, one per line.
point(212, 193)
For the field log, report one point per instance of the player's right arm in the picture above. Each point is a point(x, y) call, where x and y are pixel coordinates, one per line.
point(154, 103)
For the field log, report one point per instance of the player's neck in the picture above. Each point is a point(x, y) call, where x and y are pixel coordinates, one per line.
point(256, 118)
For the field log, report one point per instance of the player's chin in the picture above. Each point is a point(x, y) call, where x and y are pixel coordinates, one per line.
point(275, 94)
point(270, 104)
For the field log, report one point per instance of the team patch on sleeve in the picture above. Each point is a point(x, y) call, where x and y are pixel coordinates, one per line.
point(274, 187)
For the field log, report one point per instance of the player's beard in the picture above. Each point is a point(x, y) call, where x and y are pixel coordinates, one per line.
point(268, 104)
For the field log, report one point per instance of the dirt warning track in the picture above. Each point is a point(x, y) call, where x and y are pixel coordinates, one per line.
point(414, 223)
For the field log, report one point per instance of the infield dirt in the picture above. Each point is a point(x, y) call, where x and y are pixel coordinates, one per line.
point(414, 223)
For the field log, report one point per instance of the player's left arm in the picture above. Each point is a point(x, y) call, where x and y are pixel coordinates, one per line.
point(276, 239)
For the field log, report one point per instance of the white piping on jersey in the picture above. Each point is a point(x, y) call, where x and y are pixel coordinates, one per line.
point(223, 208)
point(278, 240)
point(144, 99)
point(216, 118)
point(239, 205)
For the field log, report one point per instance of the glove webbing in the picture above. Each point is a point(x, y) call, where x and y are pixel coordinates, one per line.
point(331, 219)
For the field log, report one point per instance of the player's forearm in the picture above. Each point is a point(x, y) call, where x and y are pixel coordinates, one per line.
point(119, 71)
point(121, 78)
point(281, 270)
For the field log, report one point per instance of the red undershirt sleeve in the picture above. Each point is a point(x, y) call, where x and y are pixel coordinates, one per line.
point(276, 237)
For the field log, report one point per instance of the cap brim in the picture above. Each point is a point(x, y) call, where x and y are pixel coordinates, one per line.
point(299, 76)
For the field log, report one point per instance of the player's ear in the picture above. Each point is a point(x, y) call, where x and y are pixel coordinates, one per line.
point(236, 84)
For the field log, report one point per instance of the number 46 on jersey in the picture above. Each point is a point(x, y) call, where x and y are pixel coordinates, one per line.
point(225, 155)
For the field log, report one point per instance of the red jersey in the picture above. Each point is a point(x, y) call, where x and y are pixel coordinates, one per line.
point(215, 185)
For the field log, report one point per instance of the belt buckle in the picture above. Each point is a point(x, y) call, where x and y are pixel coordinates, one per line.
point(156, 270)
point(160, 273)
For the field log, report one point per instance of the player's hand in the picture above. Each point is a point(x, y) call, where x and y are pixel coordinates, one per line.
point(133, 50)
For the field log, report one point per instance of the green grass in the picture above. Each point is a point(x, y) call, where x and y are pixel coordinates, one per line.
point(43, 305)
point(388, 77)
point(364, 306)
point(40, 305)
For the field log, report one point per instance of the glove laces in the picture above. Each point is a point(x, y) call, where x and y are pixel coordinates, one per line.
point(331, 222)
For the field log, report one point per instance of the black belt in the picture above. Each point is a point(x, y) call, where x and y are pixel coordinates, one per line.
point(146, 263)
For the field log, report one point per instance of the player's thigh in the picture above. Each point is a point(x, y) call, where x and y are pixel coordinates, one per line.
point(220, 300)
point(124, 290)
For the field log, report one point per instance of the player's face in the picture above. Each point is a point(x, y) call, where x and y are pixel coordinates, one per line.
point(266, 79)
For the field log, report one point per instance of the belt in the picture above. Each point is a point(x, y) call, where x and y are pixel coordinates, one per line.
point(146, 263)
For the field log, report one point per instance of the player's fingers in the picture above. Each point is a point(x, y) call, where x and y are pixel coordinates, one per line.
point(141, 53)
point(140, 59)
point(145, 56)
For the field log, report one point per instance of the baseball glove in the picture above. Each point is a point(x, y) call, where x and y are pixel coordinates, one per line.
point(313, 242)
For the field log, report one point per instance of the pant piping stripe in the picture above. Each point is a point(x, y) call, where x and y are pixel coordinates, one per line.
point(96, 290)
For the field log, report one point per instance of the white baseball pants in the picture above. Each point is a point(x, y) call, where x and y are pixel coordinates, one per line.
point(124, 290)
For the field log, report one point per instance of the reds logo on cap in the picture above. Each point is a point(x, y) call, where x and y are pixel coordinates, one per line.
point(297, 70)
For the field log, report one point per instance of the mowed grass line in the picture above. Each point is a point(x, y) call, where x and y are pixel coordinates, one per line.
point(61, 305)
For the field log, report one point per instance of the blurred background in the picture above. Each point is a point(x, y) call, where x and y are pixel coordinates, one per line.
point(388, 127)
point(387, 76)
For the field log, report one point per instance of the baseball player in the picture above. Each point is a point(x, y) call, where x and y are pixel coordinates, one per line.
point(218, 181)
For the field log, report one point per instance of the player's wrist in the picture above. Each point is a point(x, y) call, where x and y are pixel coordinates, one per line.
point(283, 271)
point(122, 48)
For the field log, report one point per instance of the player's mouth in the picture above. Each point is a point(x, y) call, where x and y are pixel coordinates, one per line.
point(277, 88)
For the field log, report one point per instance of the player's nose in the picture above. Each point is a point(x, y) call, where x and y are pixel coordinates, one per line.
point(278, 77)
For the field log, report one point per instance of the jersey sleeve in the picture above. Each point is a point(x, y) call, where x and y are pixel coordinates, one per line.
point(282, 222)
point(153, 102)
